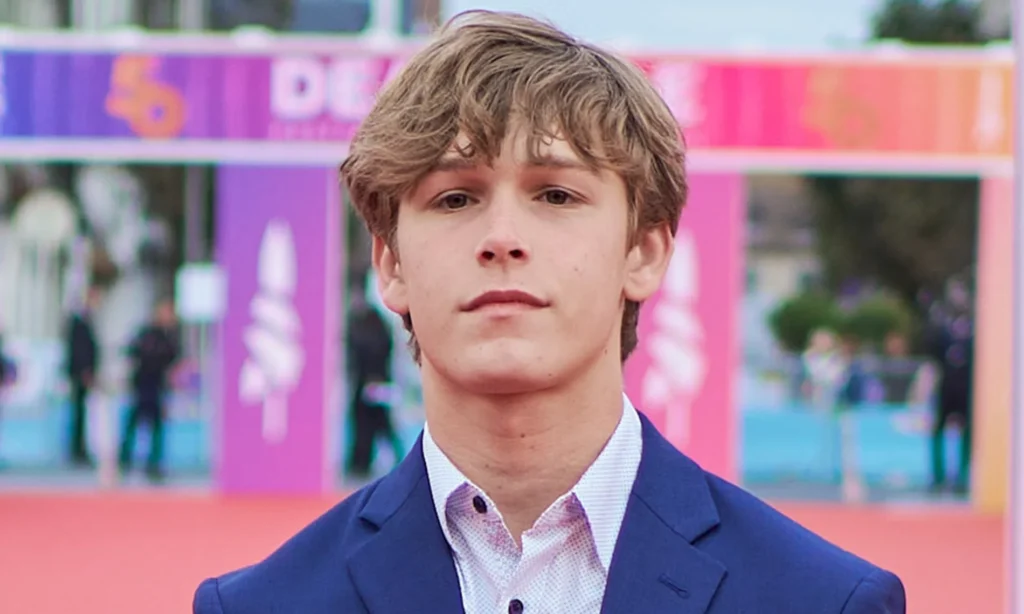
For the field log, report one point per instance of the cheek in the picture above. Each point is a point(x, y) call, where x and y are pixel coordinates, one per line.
point(429, 275)
point(597, 275)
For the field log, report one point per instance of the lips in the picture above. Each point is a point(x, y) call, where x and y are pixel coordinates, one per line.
point(505, 297)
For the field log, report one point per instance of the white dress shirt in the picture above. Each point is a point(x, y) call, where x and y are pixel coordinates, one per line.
point(563, 565)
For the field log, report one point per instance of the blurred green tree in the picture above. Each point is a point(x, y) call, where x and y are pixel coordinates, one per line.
point(874, 318)
point(950, 22)
point(795, 319)
point(906, 234)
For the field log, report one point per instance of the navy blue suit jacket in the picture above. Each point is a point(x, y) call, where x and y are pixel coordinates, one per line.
point(690, 543)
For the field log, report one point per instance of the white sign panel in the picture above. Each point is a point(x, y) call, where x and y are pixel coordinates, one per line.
point(200, 293)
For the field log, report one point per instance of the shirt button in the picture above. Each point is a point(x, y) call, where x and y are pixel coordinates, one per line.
point(481, 506)
point(515, 607)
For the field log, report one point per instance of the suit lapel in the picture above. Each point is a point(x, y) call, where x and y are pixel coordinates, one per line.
point(407, 565)
point(657, 567)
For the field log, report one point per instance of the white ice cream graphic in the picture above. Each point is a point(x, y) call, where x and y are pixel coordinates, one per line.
point(276, 358)
point(678, 364)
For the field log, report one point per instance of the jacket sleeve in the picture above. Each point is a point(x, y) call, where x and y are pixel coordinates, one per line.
point(879, 592)
point(207, 598)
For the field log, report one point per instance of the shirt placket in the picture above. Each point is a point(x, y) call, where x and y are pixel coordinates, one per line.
point(491, 550)
point(539, 551)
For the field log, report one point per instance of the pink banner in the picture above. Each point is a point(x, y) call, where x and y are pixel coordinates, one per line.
point(916, 107)
point(682, 373)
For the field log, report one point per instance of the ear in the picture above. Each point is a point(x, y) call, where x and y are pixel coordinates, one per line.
point(647, 262)
point(390, 283)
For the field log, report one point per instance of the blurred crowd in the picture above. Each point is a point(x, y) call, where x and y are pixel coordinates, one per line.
point(838, 377)
point(153, 355)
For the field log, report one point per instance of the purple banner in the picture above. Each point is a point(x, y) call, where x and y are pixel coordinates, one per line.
point(279, 233)
point(209, 97)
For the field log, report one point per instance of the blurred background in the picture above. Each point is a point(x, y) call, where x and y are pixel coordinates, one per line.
point(191, 346)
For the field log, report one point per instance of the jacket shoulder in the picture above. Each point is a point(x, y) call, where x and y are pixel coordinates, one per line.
point(772, 558)
point(305, 574)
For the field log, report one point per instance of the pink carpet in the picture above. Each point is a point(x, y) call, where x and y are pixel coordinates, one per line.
point(130, 553)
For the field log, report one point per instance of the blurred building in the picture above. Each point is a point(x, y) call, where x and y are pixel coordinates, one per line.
point(995, 17)
point(781, 260)
point(35, 13)
point(414, 16)
point(321, 16)
point(781, 254)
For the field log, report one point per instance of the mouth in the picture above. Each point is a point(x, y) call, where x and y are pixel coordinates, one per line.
point(505, 298)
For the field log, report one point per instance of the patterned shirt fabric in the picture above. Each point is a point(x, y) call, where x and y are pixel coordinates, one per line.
point(562, 567)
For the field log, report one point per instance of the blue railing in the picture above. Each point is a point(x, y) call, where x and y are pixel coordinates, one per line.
point(778, 443)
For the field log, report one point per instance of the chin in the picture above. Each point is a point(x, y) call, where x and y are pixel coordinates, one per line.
point(501, 382)
point(504, 368)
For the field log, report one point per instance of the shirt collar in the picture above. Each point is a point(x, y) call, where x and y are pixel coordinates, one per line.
point(444, 477)
point(603, 491)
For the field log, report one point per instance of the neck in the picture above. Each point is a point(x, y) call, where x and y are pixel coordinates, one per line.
point(525, 450)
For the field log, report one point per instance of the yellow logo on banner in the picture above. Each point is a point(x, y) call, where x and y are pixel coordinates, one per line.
point(152, 109)
point(838, 113)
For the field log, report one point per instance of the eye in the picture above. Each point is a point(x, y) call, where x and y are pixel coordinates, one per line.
point(556, 196)
point(453, 201)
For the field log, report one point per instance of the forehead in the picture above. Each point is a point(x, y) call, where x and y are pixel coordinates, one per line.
point(519, 148)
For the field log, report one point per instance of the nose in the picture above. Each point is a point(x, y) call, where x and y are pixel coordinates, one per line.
point(503, 242)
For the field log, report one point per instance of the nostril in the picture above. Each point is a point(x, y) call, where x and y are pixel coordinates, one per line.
point(488, 255)
point(516, 253)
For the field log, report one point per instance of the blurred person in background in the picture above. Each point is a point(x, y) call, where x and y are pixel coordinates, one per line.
point(854, 381)
point(898, 368)
point(370, 348)
point(834, 385)
point(851, 393)
point(154, 353)
point(950, 340)
point(83, 359)
point(896, 346)
point(825, 367)
point(6, 373)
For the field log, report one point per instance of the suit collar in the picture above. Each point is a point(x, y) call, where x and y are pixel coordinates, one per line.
point(395, 489)
point(407, 564)
point(674, 487)
point(657, 566)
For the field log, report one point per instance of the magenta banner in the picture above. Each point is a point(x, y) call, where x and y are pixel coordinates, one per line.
point(279, 233)
point(920, 107)
point(682, 375)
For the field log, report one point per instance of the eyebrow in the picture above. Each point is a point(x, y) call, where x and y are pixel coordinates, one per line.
point(461, 163)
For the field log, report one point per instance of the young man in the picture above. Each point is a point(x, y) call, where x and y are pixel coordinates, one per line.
point(523, 189)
